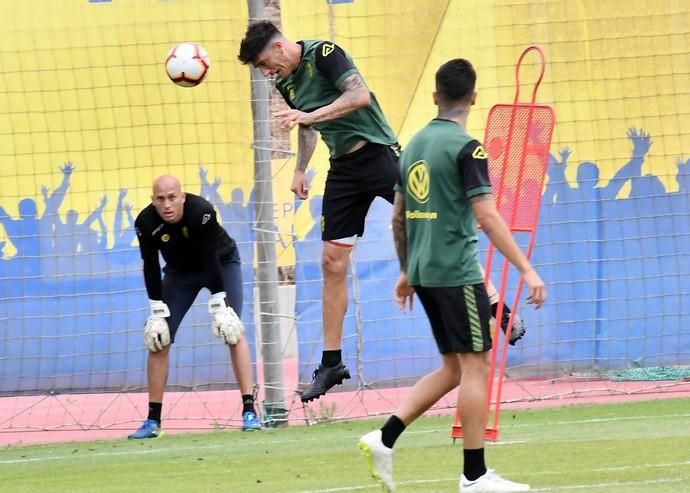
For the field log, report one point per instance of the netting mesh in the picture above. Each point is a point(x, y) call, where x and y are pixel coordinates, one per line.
point(656, 373)
point(88, 118)
point(516, 134)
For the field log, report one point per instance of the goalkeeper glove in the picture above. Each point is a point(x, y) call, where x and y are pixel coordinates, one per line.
point(156, 331)
point(226, 324)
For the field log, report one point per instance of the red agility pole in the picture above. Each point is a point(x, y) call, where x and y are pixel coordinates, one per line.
point(518, 139)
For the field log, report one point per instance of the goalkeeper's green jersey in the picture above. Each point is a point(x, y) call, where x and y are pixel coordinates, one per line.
point(442, 168)
point(314, 84)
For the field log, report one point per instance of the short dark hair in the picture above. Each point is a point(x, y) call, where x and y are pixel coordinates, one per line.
point(255, 40)
point(455, 81)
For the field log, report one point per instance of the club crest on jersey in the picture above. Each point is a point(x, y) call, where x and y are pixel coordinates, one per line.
point(480, 153)
point(291, 92)
point(165, 238)
point(206, 218)
point(418, 181)
point(327, 49)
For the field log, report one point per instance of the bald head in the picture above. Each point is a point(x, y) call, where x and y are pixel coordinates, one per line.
point(166, 182)
point(168, 198)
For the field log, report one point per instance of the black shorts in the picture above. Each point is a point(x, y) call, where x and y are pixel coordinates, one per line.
point(353, 182)
point(181, 288)
point(459, 317)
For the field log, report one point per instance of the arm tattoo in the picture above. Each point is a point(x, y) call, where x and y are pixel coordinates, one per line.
point(399, 233)
point(355, 95)
point(306, 143)
point(351, 83)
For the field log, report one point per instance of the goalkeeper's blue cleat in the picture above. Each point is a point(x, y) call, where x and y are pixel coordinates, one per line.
point(150, 429)
point(250, 422)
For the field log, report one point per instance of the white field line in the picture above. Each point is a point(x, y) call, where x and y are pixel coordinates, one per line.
point(81, 456)
point(375, 486)
point(86, 455)
point(597, 420)
point(171, 450)
point(590, 486)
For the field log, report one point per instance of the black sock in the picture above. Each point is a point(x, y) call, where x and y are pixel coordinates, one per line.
point(494, 309)
point(331, 359)
point(155, 409)
point(248, 404)
point(391, 431)
point(473, 464)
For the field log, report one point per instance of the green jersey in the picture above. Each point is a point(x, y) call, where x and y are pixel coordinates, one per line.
point(441, 169)
point(314, 84)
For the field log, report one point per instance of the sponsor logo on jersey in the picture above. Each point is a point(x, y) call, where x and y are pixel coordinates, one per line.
point(165, 238)
point(418, 181)
point(310, 70)
point(206, 218)
point(185, 232)
point(153, 233)
point(327, 49)
point(431, 215)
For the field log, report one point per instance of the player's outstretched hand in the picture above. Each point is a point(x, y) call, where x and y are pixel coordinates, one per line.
point(537, 291)
point(289, 118)
point(404, 294)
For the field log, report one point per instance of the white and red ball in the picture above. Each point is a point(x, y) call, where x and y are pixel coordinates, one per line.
point(187, 64)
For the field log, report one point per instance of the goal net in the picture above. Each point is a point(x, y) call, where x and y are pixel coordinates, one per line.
point(89, 119)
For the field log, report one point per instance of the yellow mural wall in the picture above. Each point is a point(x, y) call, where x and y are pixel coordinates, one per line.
point(608, 69)
point(84, 82)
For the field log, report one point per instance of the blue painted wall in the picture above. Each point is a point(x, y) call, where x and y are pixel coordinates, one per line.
point(72, 312)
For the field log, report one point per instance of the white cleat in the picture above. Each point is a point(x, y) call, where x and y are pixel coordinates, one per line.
point(490, 482)
point(380, 459)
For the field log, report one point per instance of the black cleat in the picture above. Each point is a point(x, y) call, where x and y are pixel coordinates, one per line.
point(324, 379)
point(518, 331)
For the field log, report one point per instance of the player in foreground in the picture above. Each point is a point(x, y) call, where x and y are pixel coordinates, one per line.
point(198, 253)
point(327, 94)
point(443, 192)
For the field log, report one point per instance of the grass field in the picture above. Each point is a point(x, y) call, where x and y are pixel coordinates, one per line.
point(632, 448)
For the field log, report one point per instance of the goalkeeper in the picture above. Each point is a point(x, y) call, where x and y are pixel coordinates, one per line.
point(198, 253)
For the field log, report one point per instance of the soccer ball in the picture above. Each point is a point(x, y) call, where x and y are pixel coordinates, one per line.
point(187, 64)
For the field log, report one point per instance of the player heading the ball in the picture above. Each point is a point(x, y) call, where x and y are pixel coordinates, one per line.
point(327, 94)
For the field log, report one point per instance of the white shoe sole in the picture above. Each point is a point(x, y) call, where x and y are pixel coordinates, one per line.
point(366, 452)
